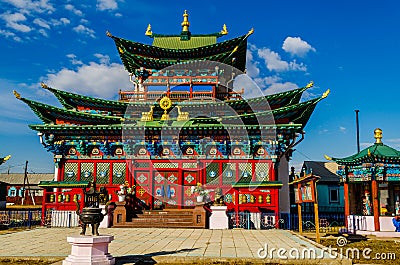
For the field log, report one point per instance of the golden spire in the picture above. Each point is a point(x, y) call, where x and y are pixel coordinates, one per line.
point(224, 30)
point(44, 85)
point(326, 93)
point(378, 136)
point(185, 24)
point(109, 34)
point(7, 157)
point(327, 157)
point(16, 94)
point(310, 84)
point(250, 32)
point(148, 31)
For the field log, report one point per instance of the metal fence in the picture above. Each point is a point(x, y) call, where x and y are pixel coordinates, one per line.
point(246, 220)
point(20, 218)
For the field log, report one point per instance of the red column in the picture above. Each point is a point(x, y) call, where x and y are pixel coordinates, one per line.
point(375, 204)
point(346, 202)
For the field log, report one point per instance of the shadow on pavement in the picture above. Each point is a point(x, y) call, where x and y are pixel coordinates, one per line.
point(147, 258)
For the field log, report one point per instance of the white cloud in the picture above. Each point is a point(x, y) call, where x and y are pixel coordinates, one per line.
point(28, 6)
point(251, 65)
point(97, 79)
point(103, 5)
point(84, 30)
point(43, 32)
point(104, 59)
point(73, 59)
point(280, 87)
point(118, 14)
point(41, 23)
point(9, 34)
point(273, 60)
point(297, 46)
point(14, 21)
point(342, 129)
point(73, 9)
point(62, 21)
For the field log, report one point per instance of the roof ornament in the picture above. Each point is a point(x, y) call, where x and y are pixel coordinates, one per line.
point(16, 94)
point(147, 116)
point(327, 157)
point(182, 115)
point(185, 24)
point(44, 85)
point(109, 34)
point(311, 84)
point(224, 30)
point(378, 135)
point(148, 31)
point(326, 93)
point(250, 32)
point(165, 103)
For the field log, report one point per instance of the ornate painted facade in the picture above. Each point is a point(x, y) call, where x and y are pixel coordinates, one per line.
point(181, 124)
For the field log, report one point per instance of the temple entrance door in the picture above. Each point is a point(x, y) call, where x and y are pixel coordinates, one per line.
point(190, 178)
point(166, 189)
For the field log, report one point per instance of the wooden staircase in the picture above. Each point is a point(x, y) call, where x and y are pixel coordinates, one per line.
point(171, 218)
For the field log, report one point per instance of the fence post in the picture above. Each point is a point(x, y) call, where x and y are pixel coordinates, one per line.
point(29, 219)
point(69, 219)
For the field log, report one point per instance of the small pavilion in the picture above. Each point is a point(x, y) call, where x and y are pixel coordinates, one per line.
point(371, 187)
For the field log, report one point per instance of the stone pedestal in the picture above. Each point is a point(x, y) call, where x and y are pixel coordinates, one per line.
point(91, 250)
point(106, 221)
point(219, 219)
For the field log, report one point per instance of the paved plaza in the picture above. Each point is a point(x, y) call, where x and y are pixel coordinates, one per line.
point(157, 244)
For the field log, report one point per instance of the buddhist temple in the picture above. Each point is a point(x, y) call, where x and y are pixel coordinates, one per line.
point(371, 187)
point(181, 125)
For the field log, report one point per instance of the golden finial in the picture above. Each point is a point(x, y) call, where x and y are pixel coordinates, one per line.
point(44, 85)
point(327, 157)
point(109, 34)
point(16, 94)
point(326, 93)
point(311, 84)
point(250, 31)
point(7, 157)
point(185, 24)
point(120, 50)
point(148, 31)
point(369, 152)
point(378, 135)
point(224, 30)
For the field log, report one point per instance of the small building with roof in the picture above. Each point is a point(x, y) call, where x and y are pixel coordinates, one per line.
point(371, 180)
point(13, 187)
point(329, 188)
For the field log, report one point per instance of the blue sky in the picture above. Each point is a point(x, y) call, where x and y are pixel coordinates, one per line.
point(351, 47)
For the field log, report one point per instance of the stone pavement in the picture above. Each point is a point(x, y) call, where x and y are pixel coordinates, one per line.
point(158, 244)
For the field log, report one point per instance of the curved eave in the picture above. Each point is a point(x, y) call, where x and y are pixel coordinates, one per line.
point(71, 100)
point(258, 184)
point(297, 113)
point(134, 61)
point(377, 153)
point(50, 114)
point(193, 53)
point(63, 184)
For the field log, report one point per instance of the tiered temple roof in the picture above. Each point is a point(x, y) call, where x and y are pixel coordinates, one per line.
point(93, 119)
point(376, 153)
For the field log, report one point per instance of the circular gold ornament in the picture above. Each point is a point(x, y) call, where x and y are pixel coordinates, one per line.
point(165, 103)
